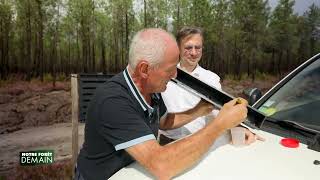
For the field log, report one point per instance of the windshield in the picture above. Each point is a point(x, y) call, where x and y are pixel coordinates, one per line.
point(298, 100)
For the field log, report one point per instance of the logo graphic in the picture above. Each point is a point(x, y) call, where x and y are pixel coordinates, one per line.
point(36, 157)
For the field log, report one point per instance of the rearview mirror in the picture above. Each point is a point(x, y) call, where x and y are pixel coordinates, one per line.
point(252, 94)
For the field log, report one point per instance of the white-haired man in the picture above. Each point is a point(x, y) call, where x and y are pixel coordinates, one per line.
point(127, 111)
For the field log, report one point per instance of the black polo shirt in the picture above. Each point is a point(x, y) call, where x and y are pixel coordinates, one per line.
point(117, 118)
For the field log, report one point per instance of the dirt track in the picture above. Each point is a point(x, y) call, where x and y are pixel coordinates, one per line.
point(34, 116)
point(55, 137)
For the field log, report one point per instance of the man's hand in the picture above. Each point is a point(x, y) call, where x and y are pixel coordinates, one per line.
point(176, 120)
point(251, 137)
point(202, 108)
point(232, 113)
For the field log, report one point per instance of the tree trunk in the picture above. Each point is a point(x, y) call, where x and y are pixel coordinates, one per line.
point(287, 60)
point(178, 15)
point(238, 59)
point(83, 37)
point(249, 56)
point(2, 70)
point(79, 61)
point(68, 69)
point(110, 59)
point(273, 62)
point(4, 46)
point(84, 54)
point(116, 54)
point(28, 42)
point(93, 57)
point(238, 66)
point(55, 50)
point(126, 50)
point(103, 57)
point(52, 60)
point(279, 63)
point(145, 13)
point(35, 55)
point(312, 47)
point(40, 58)
point(254, 65)
point(22, 53)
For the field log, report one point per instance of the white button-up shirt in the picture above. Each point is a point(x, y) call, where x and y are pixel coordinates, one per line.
point(178, 100)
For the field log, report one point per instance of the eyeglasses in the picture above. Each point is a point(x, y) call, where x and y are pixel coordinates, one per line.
point(189, 48)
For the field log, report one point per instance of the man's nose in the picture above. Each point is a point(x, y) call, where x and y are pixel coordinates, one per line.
point(193, 51)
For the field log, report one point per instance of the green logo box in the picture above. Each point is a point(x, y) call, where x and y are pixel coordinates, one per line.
point(38, 157)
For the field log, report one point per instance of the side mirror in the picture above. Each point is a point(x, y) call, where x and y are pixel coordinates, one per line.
point(252, 94)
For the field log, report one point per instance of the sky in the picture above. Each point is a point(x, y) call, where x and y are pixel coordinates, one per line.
point(299, 7)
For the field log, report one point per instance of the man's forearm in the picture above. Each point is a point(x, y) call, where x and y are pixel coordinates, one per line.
point(167, 161)
point(184, 153)
point(176, 120)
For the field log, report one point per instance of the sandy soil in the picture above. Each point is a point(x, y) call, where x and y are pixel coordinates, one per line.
point(34, 116)
point(55, 137)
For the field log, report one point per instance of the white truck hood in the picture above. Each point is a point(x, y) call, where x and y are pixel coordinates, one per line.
point(267, 160)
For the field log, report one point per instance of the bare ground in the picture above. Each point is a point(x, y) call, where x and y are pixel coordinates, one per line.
point(56, 137)
point(37, 116)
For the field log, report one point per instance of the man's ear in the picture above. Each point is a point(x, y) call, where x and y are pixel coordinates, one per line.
point(142, 68)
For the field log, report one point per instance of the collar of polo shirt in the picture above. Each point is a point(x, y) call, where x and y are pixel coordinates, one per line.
point(136, 93)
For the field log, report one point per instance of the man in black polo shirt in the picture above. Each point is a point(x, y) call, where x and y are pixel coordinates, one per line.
point(125, 116)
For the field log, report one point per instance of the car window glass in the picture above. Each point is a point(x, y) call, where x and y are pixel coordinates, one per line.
point(299, 99)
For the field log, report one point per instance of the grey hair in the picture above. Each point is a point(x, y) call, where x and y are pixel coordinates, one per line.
point(148, 45)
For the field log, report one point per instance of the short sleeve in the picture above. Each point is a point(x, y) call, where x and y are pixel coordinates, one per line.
point(121, 124)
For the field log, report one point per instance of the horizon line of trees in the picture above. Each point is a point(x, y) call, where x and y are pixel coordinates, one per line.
point(39, 37)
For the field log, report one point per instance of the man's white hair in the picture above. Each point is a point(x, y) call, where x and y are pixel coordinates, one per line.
point(148, 45)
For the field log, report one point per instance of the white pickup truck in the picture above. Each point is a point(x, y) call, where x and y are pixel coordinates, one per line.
point(292, 108)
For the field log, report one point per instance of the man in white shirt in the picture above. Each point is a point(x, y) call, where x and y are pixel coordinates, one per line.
point(176, 99)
